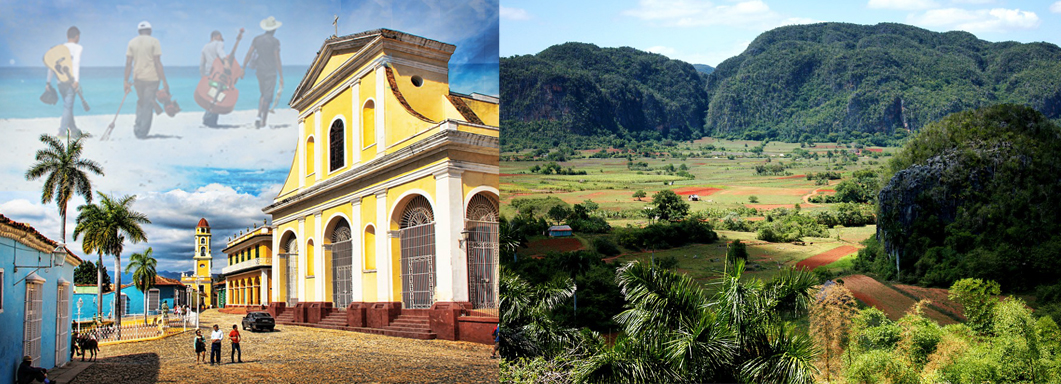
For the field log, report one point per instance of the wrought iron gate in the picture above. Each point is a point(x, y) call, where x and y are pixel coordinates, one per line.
point(292, 272)
point(482, 247)
point(418, 254)
point(342, 270)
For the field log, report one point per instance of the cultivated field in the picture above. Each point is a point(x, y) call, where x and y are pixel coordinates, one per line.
point(721, 183)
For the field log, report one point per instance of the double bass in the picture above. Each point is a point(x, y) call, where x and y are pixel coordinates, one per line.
point(217, 92)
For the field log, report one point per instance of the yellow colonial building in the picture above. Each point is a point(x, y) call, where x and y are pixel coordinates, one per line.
point(249, 270)
point(387, 221)
point(200, 282)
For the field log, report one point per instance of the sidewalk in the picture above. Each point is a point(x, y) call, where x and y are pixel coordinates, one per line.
point(69, 372)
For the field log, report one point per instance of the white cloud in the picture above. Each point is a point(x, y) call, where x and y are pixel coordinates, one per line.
point(902, 5)
point(514, 13)
point(1055, 7)
point(972, 1)
point(698, 13)
point(665, 51)
point(173, 216)
point(983, 20)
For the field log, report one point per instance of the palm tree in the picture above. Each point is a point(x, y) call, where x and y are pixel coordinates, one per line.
point(66, 172)
point(673, 331)
point(106, 227)
point(143, 267)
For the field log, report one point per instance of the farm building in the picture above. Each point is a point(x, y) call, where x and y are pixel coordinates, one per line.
point(36, 283)
point(560, 231)
point(387, 221)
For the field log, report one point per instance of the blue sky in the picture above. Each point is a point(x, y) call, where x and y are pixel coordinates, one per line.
point(710, 31)
point(224, 175)
point(28, 28)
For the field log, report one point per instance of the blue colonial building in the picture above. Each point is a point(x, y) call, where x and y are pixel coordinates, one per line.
point(165, 290)
point(36, 285)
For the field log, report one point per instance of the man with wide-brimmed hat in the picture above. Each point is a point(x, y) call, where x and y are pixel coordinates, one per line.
point(27, 373)
point(265, 53)
point(143, 59)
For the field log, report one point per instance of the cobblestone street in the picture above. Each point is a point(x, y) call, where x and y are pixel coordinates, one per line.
point(293, 354)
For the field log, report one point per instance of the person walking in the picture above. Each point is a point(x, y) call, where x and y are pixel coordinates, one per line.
point(68, 89)
point(143, 59)
point(200, 347)
point(265, 51)
point(497, 340)
point(235, 337)
point(215, 347)
point(211, 51)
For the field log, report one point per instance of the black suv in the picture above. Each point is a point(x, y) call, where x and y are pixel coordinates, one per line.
point(258, 321)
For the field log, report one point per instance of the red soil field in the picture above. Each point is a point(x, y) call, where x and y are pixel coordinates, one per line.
point(702, 191)
point(825, 190)
point(938, 296)
point(792, 177)
point(557, 244)
point(873, 149)
point(827, 257)
point(894, 304)
point(507, 174)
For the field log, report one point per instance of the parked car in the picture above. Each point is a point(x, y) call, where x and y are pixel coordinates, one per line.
point(255, 321)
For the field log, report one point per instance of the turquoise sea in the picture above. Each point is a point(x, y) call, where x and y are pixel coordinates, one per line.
point(21, 88)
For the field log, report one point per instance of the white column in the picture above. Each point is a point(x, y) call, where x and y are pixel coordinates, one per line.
point(263, 295)
point(302, 250)
point(276, 273)
point(318, 143)
point(384, 274)
point(450, 270)
point(318, 256)
point(301, 153)
point(355, 123)
point(357, 250)
point(381, 89)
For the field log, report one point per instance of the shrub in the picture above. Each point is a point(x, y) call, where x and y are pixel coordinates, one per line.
point(604, 246)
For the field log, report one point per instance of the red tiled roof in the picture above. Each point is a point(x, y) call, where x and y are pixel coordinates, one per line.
point(203, 223)
point(159, 280)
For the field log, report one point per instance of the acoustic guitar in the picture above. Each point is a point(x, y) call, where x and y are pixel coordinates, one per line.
point(217, 92)
point(58, 60)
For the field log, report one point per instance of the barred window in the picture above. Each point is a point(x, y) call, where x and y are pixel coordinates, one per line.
point(336, 146)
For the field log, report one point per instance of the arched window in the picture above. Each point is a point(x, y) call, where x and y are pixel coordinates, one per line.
point(370, 248)
point(202, 251)
point(335, 145)
point(368, 124)
point(309, 258)
point(310, 169)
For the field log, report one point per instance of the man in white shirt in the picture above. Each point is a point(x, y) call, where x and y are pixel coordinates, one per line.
point(68, 90)
point(211, 51)
point(215, 345)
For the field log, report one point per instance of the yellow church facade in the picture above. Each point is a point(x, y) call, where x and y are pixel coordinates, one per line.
point(388, 217)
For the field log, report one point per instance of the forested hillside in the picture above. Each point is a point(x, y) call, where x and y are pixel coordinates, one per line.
point(821, 82)
point(586, 90)
point(845, 80)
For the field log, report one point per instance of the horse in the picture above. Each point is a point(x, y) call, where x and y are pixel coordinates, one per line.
point(85, 343)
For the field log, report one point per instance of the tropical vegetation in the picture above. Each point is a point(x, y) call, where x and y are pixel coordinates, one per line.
point(106, 226)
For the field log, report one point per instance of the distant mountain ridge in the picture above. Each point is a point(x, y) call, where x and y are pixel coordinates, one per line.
point(704, 68)
point(823, 82)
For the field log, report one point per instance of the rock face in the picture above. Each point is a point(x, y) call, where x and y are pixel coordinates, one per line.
point(976, 195)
